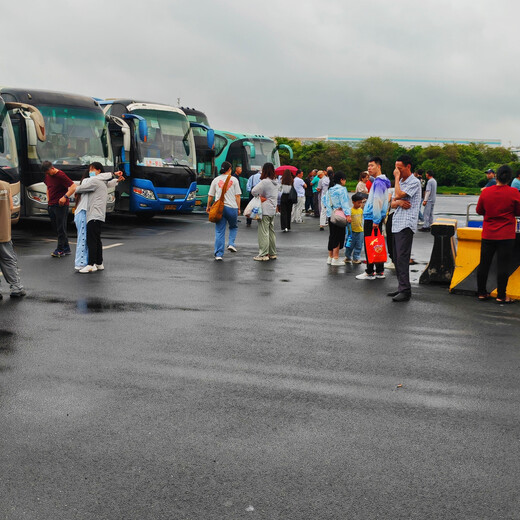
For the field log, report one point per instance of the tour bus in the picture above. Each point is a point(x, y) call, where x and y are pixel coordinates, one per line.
point(153, 143)
point(75, 134)
point(250, 151)
point(204, 138)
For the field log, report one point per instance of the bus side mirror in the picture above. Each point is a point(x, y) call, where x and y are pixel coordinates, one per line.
point(2, 144)
point(211, 138)
point(285, 147)
point(38, 122)
point(252, 149)
point(104, 142)
point(143, 130)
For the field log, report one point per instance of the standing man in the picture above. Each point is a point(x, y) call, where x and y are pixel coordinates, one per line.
point(299, 186)
point(430, 195)
point(8, 260)
point(374, 213)
point(57, 185)
point(251, 183)
point(407, 201)
point(309, 203)
point(316, 204)
point(238, 172)
point(490, 174)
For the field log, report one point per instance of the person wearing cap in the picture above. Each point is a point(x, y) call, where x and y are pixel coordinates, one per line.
point(8, 260)
point(491, 179)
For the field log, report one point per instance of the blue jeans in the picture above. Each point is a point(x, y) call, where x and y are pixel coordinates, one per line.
point(356, 245)
point(80, 219)
point(230, 216)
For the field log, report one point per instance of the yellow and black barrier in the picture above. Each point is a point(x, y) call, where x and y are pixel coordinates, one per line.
point(442, 261)
point(464, 280)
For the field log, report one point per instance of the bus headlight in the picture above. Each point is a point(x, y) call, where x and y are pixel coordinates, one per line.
point(16, 200)
point(37, 196)
point(147, 194)
point(192, 195)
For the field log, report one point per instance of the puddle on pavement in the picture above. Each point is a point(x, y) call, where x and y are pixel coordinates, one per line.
point(5, 343)
point(96, 306)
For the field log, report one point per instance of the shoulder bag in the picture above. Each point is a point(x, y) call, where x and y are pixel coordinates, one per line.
point(217, 208)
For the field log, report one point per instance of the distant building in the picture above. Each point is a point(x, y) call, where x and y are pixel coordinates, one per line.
point(407, 142)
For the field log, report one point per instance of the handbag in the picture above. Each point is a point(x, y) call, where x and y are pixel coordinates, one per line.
point(375, 247)
point(254, 209)
point(293, 196)
point(217, 208)
point(337, 217)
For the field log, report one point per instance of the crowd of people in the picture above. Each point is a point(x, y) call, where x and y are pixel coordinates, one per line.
point(378, 208)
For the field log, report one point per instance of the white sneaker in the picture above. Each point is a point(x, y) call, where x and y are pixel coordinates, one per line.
point(389, 265)
point(233, 249)
point(88, 269)
point(329, 260)
point(100, 267)
point(337, 261)
point(380, 275)
point(218, 258)
point(79, 267)
point(365, 276)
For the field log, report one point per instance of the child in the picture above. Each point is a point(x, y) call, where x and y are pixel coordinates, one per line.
point(354, 241)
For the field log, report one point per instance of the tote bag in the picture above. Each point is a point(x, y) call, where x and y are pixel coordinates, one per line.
point(217, 209)
point(375, 247)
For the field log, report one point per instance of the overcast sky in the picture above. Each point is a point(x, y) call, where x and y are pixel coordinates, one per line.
point(421, 68)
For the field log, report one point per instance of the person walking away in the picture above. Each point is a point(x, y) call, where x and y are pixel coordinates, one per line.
point(323, 187)
point(499, 204)
point(337, 198)
point(267, 190)
point(57, 184)
point(491, 181)
point(251, 183)
point(231, 209)
point(355, 244)
point(285, 202)
point(361, 186)
point(430, 196)
point(374, 213)
point(97, 189)
point(316, 194)
point(300, 186)
point(407, 201)
point(8, 259)
point(309, 193)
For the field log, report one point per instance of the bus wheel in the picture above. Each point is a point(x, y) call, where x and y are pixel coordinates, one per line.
point(145, 216)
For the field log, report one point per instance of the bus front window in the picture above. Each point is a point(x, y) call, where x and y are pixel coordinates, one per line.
point(169, 142)
point(8, 156)
point(264, 153)
point(75, 136)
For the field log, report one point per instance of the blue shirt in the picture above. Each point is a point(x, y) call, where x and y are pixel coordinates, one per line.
point(336, 198)
point(516, 184)
point(407, 218)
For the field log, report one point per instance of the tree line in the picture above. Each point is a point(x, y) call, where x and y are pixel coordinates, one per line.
point(452, 164)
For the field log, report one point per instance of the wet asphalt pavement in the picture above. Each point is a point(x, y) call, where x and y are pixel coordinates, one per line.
point(171, 386)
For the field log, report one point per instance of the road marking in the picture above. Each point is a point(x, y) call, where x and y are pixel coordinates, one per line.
point(113, 245)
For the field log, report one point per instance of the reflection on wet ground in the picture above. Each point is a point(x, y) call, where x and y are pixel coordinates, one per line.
point(95, 305)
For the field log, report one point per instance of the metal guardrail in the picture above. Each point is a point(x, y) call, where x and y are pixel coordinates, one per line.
point(478, 222)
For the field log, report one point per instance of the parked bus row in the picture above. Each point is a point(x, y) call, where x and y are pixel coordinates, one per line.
point(169, 155)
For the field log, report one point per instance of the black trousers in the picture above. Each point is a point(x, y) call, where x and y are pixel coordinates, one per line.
point(95, 247)
point(389, 237)
point(316, 203)
point(379, 267)
point(336, 236)
point(504, 250)
point(402, 252)
point(58, 215)
point(286, 205)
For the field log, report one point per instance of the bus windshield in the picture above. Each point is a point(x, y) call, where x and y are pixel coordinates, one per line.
point(169, 142)
point(264, 153)
point(198, 132)
point(8, 156)
point(75, 136)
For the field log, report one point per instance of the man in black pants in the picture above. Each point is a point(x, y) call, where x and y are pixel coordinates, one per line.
point(407, 201)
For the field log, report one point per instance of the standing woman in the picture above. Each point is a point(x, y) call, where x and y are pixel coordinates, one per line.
point(231, 209)
point(499, 204)
point(267, 189)
point(286, 203)
point(337, 198)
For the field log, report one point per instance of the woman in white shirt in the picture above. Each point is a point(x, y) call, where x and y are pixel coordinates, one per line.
point(231, 209)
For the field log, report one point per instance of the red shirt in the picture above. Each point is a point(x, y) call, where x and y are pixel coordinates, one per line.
point(499, 205)
point(58, 185)
point(369, 184)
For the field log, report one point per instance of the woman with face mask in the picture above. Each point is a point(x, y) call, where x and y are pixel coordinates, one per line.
point(81, 212)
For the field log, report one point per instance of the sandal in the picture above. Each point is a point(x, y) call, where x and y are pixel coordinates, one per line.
point(507, 302)
point(484, 297)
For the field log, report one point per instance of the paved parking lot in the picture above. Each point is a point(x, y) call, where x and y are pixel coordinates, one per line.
point(170, 386)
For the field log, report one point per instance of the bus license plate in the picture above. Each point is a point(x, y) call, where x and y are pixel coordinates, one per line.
point(170, 206)
point(198, 202)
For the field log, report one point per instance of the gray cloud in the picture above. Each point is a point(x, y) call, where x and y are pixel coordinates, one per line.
point(429, 68)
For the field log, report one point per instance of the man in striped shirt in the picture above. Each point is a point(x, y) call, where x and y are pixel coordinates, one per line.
point(407, 201)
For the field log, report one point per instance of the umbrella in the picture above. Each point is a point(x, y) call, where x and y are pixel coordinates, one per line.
point(281, 169)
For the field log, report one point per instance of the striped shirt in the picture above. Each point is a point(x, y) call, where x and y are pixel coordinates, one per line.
point(407, 218)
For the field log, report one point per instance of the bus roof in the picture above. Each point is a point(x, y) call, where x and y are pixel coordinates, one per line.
point(234, 136)
point(193, 112)
point(48, 97)
point(133, 104)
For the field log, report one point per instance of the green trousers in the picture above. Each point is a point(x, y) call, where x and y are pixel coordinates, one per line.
point(266, 237)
